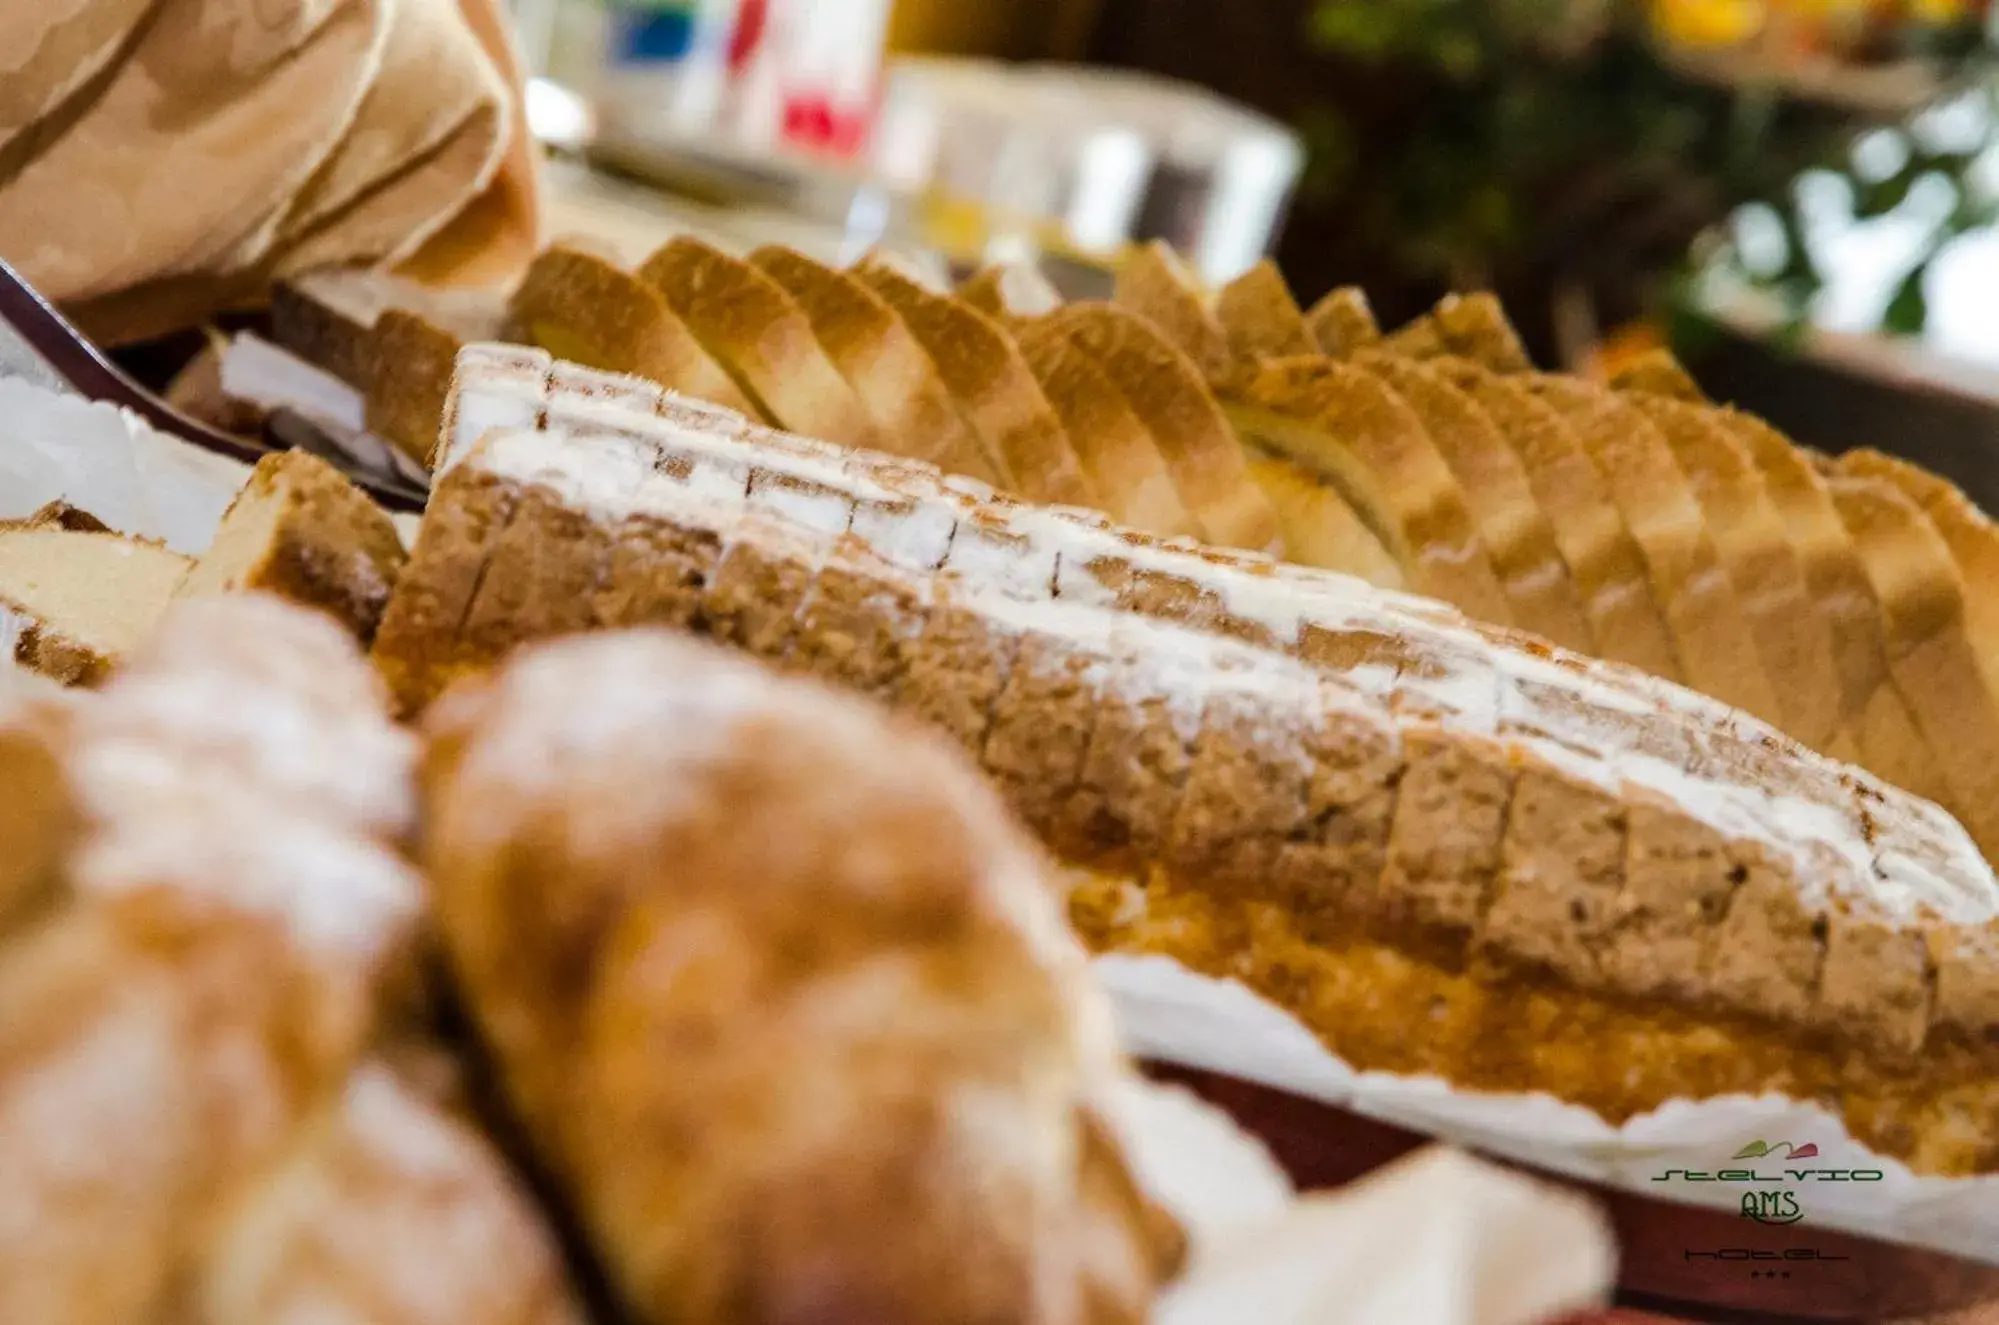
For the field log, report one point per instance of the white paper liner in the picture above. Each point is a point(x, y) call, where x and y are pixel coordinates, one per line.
point(1440, 1238)
point(261, 374)
point(1172, 1015)
point(112, 464)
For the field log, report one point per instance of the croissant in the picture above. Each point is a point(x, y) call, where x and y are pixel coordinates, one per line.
point(785, 1002)
point(197, 965)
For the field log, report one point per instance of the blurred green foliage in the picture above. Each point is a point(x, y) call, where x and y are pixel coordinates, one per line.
point(1474, 141)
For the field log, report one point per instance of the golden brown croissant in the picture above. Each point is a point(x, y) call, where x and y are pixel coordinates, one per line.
point(786, 1003)
point(386, 1210)
point(197, 965)
point(154, 1054)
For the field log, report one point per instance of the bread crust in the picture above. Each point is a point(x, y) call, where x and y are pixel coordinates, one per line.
point(1342, 323)
point(844, 936)
point(1470, 326)
point(1261, 318)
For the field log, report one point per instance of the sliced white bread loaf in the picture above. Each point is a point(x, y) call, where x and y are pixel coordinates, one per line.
point(1156, 285)
point(1518, 536)
point(1318, 527)
point(1187, 423)
point(995, 390)
point(1343, 323)
point(1123, 459)
point(1603, 559)
point(1261, 318)
point(1931, 656)
point(1711, 636)
point(883, 361)
point(1353, 431)
point(583, 307)
point(759, 334)
point(1753, 545)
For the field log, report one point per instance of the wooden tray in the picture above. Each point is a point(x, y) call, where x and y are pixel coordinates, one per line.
point(1700, 1263)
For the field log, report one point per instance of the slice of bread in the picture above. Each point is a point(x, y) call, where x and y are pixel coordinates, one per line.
point(1352, 430)
point(1711, 635)
point(1515, 529)
point(1602, 557)
point(1342, 323)
point(300, 530)
point(408, 379)
point(1156, 285)
point(1166, 390)
point(1930, 652)
point(583, 308)
point(883, 361)
point(1261, 317)
point(1972, 537)
point(73, 603)
point(391, 339)
point(1118, 450)
point(994, 388)
point(749, 325)
point(1472, 326)
point(1754, 547)
point(1878, 732)
point(1008, 290)
point(1659, 373)
point(1319, 528)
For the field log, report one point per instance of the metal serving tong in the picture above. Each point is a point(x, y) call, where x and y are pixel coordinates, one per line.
point(39, 345)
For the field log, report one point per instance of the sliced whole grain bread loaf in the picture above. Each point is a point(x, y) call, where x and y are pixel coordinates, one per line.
point(1277, 773)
